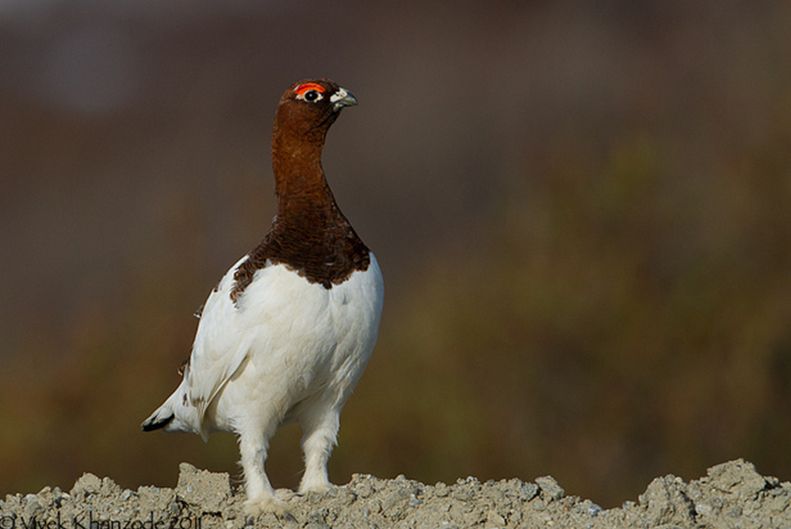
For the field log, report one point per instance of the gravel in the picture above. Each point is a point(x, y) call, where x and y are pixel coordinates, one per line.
point(731, 495)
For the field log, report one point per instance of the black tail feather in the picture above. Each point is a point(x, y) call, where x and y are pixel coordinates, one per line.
point(151, 424)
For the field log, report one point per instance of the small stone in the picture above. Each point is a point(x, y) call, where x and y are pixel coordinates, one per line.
point(528, 491)
point(463, 494)
point(60, 498)
point(202, 488)
point(87, 485)
point(665, 502)
point(344, 496)
point(109, 487)
point(550, 487)
point(590, 508)
point(156, 499)
point(738, 477)
point(32, 507)
point(364, 489)
point(397, 497)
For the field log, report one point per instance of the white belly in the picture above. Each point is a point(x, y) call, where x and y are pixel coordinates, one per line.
point(306, 344)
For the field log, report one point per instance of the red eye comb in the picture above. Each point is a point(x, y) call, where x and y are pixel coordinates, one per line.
point(305, 87)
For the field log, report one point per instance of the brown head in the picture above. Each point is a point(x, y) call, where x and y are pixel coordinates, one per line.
point(304, 114)
point(308, 108)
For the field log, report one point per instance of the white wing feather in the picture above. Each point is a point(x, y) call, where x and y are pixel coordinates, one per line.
point(221, 345)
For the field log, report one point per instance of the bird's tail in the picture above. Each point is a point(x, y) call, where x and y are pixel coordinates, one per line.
point(174, 415)
point(159, 419)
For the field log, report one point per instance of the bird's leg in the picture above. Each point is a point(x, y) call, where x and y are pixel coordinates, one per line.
point(253, 445)
point(320, 431)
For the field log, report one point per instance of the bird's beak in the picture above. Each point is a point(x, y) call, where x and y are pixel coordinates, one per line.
point(342, 98)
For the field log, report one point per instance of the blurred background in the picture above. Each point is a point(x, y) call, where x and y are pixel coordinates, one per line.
point(581, 210)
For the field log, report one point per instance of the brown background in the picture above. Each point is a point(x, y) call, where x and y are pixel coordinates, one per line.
point(581, 211)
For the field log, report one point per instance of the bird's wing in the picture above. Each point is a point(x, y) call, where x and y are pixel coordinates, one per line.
point(220, 348)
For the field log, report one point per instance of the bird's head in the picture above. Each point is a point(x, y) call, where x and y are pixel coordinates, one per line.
point(308, 108)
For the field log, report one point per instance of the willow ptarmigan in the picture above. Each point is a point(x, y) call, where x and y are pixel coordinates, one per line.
point(290, 328)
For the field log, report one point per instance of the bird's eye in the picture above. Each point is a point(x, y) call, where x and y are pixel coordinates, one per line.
point(310, 92)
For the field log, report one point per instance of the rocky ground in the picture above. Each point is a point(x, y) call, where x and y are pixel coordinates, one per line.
point(731, 495)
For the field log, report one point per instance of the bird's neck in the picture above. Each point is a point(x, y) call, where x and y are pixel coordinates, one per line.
point(300, 185)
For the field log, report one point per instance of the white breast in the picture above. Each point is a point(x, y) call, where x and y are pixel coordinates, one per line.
point(286, 341)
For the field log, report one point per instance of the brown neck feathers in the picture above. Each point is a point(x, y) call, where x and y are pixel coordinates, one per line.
point(310, 235)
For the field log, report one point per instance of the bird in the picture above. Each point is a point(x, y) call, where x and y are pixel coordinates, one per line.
point(289, 329)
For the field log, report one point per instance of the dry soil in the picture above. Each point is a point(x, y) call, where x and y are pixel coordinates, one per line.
point(731, 495)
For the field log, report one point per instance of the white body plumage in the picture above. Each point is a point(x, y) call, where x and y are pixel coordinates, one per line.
point(287, 349)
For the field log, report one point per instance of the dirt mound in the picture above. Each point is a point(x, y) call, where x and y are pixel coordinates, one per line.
point(731, 495)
